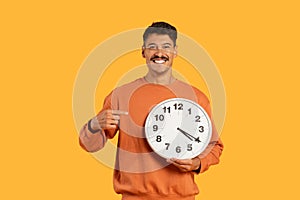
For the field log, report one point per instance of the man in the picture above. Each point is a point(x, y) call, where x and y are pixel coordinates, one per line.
point(139, 172)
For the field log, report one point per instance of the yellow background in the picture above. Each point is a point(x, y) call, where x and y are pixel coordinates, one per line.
point(255, 45)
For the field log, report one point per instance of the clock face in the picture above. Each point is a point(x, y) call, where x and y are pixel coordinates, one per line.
point(178, 128)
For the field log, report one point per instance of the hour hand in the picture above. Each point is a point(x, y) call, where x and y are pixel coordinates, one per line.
point(189, 135)
point(185, 134)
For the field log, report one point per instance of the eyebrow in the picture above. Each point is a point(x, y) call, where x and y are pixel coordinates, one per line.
point(162, 44)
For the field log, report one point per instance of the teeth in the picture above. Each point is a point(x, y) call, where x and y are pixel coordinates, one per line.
point(159, 61)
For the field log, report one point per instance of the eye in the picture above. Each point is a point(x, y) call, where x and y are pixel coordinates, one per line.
point(151, 47)
point(166, 46)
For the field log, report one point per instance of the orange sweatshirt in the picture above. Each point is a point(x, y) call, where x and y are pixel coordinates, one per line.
point(139, 173)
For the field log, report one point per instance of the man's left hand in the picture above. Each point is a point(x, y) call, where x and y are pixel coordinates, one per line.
point(186, 165)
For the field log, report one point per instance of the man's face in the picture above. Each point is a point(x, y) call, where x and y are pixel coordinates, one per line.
point(159, 52)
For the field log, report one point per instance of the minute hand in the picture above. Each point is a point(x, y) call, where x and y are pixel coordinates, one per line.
point(189, 135)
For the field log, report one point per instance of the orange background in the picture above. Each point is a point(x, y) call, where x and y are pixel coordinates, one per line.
point(255, 45)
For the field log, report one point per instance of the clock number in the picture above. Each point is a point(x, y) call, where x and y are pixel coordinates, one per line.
point(189, 147)
point(197, 118)
point(155, 127)
point(158, 138)
point(190, 111)
point(178, 149)
point(167, 109)
point(167, 144)
point(159, 117)
point(201, 129)
point(178, 106)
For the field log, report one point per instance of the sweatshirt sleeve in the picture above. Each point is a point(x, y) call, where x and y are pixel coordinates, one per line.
point(93, 142)
point(211, 155)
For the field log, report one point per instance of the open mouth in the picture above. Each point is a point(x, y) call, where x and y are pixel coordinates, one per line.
point(159, 60)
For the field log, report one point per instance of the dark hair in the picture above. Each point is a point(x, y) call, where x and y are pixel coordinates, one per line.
point(161, 28)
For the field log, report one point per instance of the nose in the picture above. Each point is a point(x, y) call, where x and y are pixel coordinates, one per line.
point(159, 52)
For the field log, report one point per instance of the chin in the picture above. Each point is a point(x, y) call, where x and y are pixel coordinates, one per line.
point(159, 69)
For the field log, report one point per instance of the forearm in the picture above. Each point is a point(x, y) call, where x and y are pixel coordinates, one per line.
point(211, 156)
point(91, 142)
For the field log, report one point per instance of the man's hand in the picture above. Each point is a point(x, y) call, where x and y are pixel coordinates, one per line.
point(186, 165)
point(107, 119)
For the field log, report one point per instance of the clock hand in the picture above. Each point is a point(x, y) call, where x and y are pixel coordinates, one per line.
point(189, 135)
point(185, 134)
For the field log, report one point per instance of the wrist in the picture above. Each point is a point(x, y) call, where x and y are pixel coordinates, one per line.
point(198, 164)
point(91, 126)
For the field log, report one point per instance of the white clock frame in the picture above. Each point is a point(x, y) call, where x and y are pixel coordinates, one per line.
point(178, 128)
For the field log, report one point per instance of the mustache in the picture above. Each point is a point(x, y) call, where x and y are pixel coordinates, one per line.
point(162, 57)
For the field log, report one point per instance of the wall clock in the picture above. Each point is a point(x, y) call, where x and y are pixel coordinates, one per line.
point(178, 128)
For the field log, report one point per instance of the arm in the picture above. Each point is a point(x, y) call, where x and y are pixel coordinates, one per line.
point(212, 153)
point(91, 142)
point(93, 135)
point(210, 156)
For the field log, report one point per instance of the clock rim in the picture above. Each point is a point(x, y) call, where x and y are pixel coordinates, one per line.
point(177, 99)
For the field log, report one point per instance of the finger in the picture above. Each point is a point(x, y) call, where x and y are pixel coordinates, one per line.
point(112, 121)
point(182, 161)
point(115, 117)
point(183, 168)
point(109, 121)
point(110, 116)
point(119, 112)
point(109, 126)
point(177, 164)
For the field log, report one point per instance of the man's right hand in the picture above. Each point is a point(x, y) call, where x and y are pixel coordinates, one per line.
point(107, 119)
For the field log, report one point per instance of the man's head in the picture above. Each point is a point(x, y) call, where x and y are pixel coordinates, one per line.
point(159, 48)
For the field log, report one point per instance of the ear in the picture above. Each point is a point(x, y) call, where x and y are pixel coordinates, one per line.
point(143, 52)
point(175, 51)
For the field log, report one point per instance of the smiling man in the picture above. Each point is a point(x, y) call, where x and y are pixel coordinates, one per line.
point(139, 172)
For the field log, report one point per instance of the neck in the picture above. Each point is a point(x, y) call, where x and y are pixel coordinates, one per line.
point(162, 80)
